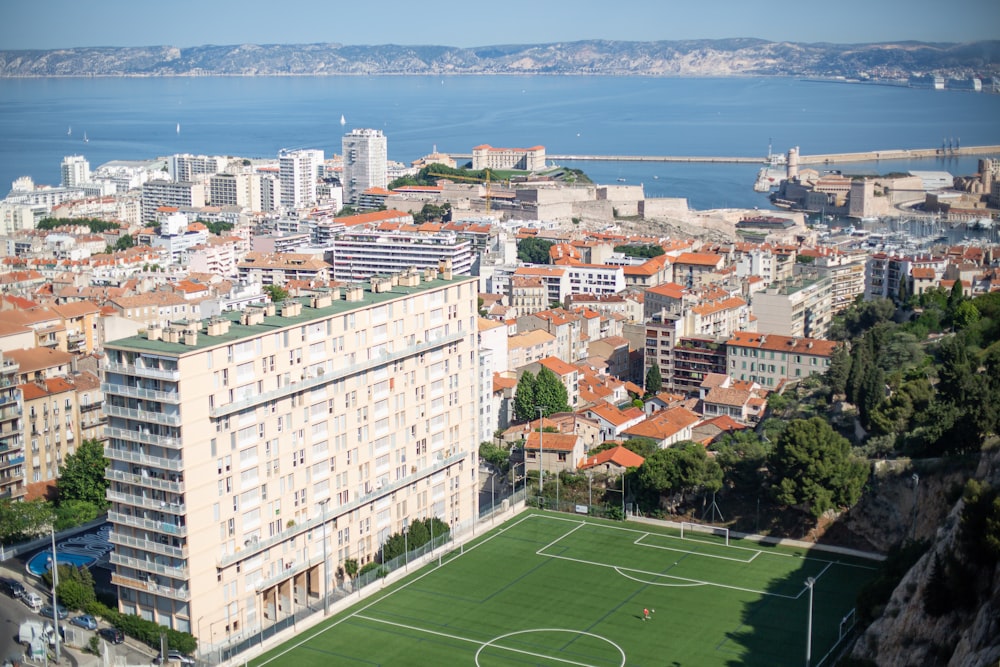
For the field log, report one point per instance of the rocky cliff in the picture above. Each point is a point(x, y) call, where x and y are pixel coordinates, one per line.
point(730, 57)
point(968, 636)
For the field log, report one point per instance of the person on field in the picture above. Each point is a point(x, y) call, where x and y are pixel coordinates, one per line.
point(645, 614)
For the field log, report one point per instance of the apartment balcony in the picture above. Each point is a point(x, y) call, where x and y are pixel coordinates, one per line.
point(147, 545)
point(147, 503)
point(143, 459)
point(289, 572)
point(336, 374)
point(146, 481)
point(302, 527)
point(147, 524)
point(167, 419)
point(149, 566)
point(143, 371)
point(150, 587)
point(135, 435)
point(12, 462)
point(90, 407)
point(173, 397)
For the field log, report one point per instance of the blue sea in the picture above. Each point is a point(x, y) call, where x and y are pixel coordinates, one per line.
point(43, 120)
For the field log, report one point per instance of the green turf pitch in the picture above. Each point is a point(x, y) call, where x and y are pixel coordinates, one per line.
point(556, 590)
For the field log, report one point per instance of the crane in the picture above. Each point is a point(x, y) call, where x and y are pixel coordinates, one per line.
point(474, 179)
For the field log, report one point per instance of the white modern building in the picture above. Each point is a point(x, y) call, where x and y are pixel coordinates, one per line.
point(298, 171)
point(362, 254)
point(365, 162)
point(75, 171)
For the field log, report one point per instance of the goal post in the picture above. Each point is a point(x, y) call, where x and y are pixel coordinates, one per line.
point(688, 529)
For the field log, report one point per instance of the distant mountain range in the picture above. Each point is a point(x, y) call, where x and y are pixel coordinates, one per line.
point(727, 57)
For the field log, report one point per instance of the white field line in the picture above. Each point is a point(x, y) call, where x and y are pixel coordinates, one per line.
point(479, 642)
point(639, 542)
point(686, 539)
point(379, 598)
point(619, 569)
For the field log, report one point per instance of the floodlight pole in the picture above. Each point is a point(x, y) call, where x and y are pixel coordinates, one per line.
point(810, 582)
point(541, 451)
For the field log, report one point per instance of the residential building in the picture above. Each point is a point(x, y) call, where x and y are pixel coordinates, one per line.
point(666, 427)
point(361, 254)
point(801, 306)
point(251, 455)
point(277, 269)
point(11, 436)
point(365, 162)
point(770, 359)
point(552, 452)
point(527, 295)
point(162, 193)
point(297, 173)
point(75, 171)
point(612, 462)
point(184, 167)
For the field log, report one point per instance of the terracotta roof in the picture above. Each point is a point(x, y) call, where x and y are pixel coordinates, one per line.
point(500, 382)
point(619, 455)
point(558, 442)
point(813, 346)
point(529, 338)
point(718, 306)
point(923, 273)
point(672, 290)
point(38, 358)
point(34, 390)
point(611, 414)
point(557, 366)
point(539, 271)
point(664, 424)
point(725, 423)
point(699, 259)
point(76, 309)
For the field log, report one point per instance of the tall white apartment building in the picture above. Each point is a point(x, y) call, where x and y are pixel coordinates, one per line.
point(365, 162)
point(238, 447)
point(297, 172)
point(187, 167)
point(159, 193)
point(360, 255)
point(75, 171)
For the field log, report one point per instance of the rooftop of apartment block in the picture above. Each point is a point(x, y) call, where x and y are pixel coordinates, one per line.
point(283, 317)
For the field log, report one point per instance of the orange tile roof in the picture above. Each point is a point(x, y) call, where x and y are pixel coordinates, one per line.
point(767, 341)
point(620, 456)
point(699, 259)
point(672, 290)
point(558, 442)
point(664, 424)
point(557, 365)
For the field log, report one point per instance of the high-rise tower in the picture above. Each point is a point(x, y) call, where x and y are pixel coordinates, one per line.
point(365, 156)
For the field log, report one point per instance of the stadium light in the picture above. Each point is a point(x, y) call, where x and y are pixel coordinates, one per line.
point(326, 567)
point(541, 450)
point(810, 582)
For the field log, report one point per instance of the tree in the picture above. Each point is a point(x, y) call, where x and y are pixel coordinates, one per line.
point(813, 466)
point(350, 567)
point(640, 250)
point(743, 458)
point(76, 586)
point(124, 242)
point(550, 393)
point(82, 476)
point(654, 381)
point(685, 467)
point(839, 370)
point(533, 251)
point(524, 398)
point(22, 520)
point(276, 293)
point(966, 314)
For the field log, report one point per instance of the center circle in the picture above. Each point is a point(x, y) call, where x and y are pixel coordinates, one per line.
point(493, 641)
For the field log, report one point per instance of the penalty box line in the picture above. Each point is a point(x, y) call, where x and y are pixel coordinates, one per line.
point(639, 542)
point(480, 643)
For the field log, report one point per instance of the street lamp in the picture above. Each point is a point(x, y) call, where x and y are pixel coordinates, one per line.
point(55, 583)
point(810, 582)
point(326, 572)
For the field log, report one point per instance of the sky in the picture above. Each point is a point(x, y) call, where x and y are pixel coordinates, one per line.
point(54, 24)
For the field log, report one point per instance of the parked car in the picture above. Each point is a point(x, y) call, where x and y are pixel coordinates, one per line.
point(111, 635)
point(174, 657)
point(61, 612)
point(12, 588)
point(33, 600)
point(85, 621)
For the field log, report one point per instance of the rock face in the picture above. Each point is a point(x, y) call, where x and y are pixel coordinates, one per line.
point(728, 57)
point(906, 635)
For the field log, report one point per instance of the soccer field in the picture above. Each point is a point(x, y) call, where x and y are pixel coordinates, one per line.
point(558, 590)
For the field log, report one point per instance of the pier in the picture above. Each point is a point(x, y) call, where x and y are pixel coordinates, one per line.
point(831, 158)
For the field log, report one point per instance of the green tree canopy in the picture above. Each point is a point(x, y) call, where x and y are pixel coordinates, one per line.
point(533, 251)
point(82, 476)
point(277, 293)
point(683, 468)
point(640, 250)
point(550, 393)
point(813, 466)
point(93, 224)
point(654, 381)
point(23, 520)
point(524, 398)
point(124, 242)
point(743, 458)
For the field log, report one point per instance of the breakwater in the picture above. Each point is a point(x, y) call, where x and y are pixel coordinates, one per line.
point(829, 158)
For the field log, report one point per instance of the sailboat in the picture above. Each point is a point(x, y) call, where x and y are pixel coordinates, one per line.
point(69, 131)
point(343, 121)
point(178, 128)
point(85, 139)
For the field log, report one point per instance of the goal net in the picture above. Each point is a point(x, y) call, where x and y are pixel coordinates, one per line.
point(691, 531)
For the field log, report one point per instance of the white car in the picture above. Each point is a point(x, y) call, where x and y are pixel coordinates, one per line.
point(33, 600)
